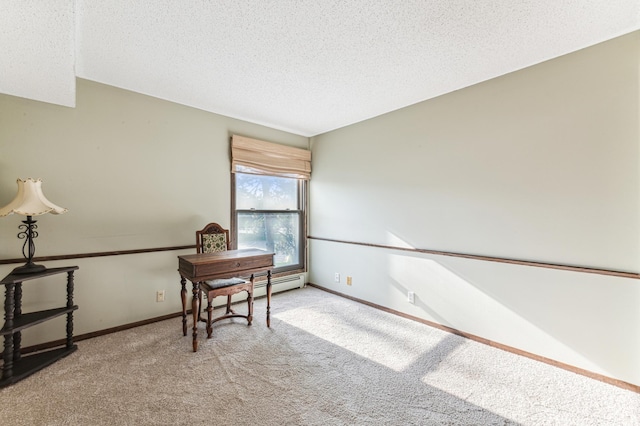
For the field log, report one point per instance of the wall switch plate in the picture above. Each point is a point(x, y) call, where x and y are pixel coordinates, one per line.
point(411, 297)
point(160, 296)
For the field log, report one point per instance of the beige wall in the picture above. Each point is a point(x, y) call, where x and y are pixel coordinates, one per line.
point(540, 165)
point(135, 172)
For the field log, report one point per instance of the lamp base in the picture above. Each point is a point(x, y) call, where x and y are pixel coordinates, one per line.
point(28, 268)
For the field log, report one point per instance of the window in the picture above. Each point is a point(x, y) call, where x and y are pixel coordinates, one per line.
point(268, 199)
point(269, 215)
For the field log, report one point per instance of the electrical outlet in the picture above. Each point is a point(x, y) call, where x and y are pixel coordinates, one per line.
point(336, 277)
point(160, 296)
point(348, 280)
point(411, 297)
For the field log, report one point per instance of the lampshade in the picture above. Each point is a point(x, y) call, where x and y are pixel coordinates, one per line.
point(30, 201)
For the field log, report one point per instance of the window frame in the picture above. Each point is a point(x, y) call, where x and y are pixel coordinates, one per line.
point(302, 231)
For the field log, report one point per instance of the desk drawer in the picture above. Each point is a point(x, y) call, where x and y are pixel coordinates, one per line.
point(234, 266)
point(201, 267)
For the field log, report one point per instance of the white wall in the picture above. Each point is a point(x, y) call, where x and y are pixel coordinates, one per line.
point(135, 172)
point(539, 165)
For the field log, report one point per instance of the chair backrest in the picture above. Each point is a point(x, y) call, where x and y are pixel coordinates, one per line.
point(212, 238)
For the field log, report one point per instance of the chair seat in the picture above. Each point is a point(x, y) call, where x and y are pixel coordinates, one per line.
point(221, 283)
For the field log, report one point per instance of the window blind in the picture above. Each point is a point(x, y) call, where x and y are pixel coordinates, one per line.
point(265, 158)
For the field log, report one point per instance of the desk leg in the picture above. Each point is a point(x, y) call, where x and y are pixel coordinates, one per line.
point(269, 298)
point(195, 309)
point(183, 296)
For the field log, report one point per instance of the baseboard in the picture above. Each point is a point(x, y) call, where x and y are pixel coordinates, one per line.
point(571, 368)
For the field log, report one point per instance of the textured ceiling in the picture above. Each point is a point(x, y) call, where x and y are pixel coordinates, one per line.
point(37, 50)
point(302, 66)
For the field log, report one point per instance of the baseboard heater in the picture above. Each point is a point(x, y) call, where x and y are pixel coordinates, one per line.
point(282, 283)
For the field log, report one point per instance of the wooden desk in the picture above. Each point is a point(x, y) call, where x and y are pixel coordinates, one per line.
point(224, 264)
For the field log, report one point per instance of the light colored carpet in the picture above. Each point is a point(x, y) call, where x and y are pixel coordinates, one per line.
point(325, 361)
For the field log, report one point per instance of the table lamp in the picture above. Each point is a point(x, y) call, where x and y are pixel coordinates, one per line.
point(30, 201)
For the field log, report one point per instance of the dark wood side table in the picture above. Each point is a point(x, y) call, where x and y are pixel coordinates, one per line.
point(223, 264)
point(17, 367)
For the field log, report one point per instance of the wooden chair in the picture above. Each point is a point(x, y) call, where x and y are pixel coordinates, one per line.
point(213, 238)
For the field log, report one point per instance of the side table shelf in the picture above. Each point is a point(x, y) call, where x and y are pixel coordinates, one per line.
point(15, 366)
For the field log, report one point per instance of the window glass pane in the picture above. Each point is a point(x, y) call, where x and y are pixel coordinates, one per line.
point(265, 192)
point(276, 232)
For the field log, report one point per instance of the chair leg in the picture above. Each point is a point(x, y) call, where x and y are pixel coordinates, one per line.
point(250, 307)
point(229, 310)
point(200, 305)
point(209, 317)
point(250, 299)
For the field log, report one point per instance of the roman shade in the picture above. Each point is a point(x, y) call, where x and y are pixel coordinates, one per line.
point(265, 158)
